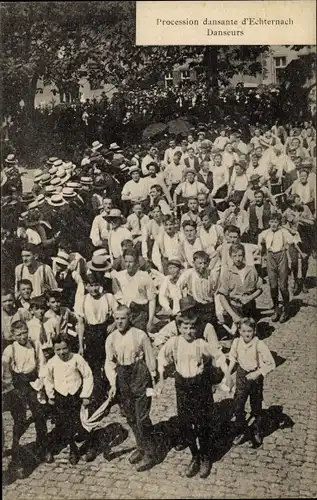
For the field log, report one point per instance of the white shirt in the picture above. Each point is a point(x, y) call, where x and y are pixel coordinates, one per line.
point(239, 182)
point(137, 225)
point(188, 190)
point(23, 359)
point(145, 162)
point(276, 241)
point(42, 276)
point(116, 236)
point(138, 288)
point(67, 377)
point(252, 355)
point(99, 230)
point(189, 250)
point(125, 349)
point(221, 142)
point(35, 327)
point(220, 176)
point(170, 291)
point(169, 154)
point(188, 357)
point(135, 190)
point(97, 311)
point(174, 173)
point(211, 238)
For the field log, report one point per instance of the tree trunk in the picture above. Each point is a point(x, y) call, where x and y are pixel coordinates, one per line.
point(211, 67)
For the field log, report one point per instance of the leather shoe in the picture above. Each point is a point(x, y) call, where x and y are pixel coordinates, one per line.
point(284, 317)
point(239, 439)
point(276, 315)
point(49, 457)
point(73, 456)
point(205, 467)
point(297, 288)
point(181, 446)
point(305, 289)
point(136, 457)
point(145, 464)
point(193, 467)
point(257, 439)
point(91, 454)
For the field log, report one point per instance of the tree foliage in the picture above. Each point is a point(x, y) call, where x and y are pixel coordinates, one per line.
point(62, 42)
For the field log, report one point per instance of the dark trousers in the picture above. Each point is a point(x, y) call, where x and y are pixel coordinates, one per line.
point(139, 315)
point(194, 409)
point(133, 380)
point(22, 396)
point(67, 419)
point(95, 355)
point(277, 271)
point(244, 389)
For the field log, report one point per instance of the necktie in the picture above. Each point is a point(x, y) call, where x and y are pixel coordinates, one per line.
point(43, 336)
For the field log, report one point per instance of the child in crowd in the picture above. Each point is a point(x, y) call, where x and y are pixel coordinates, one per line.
point(193, 390)
point(167, 246)
point(199, 283)
point(210, 233)
point(24, 295)
point(131, 367)
point(96, 310)
point(68, 382)
point(23, 363)
point(193, 213)
point(254, 362)
point(240, 286)
point(37, 326)
point(276, 241)
point(190, 244)
point(60, 319)
point(136, 223)
point(170, 294)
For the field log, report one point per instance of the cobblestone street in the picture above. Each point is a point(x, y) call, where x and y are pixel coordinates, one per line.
point(285, 466)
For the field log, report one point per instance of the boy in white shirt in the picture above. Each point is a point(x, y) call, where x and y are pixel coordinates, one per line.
point(276, 241)
point(23, 363)
point(68, 383)
point(193, 390)
point(255, 361)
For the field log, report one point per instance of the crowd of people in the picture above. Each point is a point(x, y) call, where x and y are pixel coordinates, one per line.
point(115, 267)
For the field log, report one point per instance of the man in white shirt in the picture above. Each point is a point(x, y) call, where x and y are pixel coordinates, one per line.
point(136, 189)
point(148, 158)
point(100, 228)
point(135, 289)
point(174, 172)
point(169, 152)
point(276, 241)
point(117, 233)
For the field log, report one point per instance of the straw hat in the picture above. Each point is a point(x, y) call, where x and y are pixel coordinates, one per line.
point(56, 181)
point(40, 199)
point(58, 163)
point(11, 160)
point(56, 200)
point(53, 170)
point(46, 179)
point(115, 213)
point(51, 160)
point(68, 192)
point(96, 145)
point(28, 197)
point(49, 190)
point(134, 168)
point(175, 262)
point(114, 147)
point(73, 185)
point(62, 257)
point(33, 205)
point(38, 177)
point(86, 181)
point(99, 263)
point(190, 171)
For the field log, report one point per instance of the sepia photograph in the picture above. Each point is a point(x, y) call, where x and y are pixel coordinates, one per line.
point(158, 251)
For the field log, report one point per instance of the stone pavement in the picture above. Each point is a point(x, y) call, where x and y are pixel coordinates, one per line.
point(285, 466)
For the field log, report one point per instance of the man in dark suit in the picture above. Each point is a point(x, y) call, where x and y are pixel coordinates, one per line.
point(192, 161)
point(205, 175)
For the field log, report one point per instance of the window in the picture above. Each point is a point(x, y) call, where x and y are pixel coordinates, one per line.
point(185, 76)
point(168, 79)
point(279, 66)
